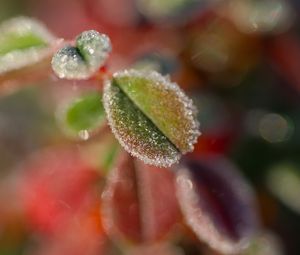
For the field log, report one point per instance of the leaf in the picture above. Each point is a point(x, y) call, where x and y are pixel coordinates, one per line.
point(83, 115)
point(82, 235)
point(150, 116)
point(23, 42)
point(217, 203)
point(84, 59)
point(56, 186)
point(139, 204)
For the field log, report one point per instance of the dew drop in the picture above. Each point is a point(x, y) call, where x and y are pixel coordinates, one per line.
point(84, 134)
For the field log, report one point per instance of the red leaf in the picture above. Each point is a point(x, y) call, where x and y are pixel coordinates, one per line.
point(217, 203)
point(139, 203)
point(57, 185)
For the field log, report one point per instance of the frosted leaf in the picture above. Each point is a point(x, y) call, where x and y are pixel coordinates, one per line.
point(136, 133)
point(82, 116)
point(216, 203)
point(23, 42)
point(151, 117)
point(138, 202)
point(84, 59)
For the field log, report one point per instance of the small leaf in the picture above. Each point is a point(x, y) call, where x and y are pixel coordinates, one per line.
point(84, 59)
point(150, 116)
point(138, 202)
point(23, 42)
point(216, 203)
point(83, 115)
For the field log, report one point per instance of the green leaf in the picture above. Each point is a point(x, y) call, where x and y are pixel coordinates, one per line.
point(150, 116)
point(13, 41)
point(164, 104)
point(23, 42)
point(84, 114)
point(136, 133)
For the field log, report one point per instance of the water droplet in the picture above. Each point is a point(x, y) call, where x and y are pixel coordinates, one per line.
point(84, 134)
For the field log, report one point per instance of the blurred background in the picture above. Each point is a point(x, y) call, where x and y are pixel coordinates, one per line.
point(239, 60)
